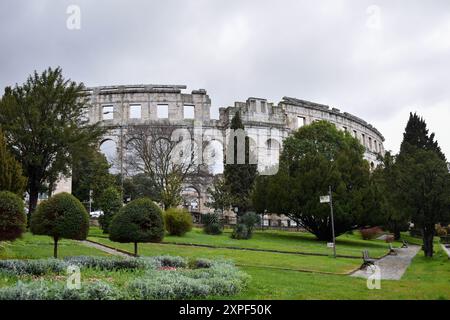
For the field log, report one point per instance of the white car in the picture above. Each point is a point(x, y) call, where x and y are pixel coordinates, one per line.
point(96, 214)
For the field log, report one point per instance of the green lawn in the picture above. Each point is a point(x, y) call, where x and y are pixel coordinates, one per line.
point(35, 247)
point(348, 245)
point(425, 279)
point(243, 258)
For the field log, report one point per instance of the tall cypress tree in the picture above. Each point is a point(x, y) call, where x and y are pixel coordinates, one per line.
point(423, 180)
point(417, 135)
point(239, 178)
point(11, 178)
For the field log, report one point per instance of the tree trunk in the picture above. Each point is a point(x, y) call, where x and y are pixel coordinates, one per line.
point(135, 249)
point(428, 237)
point(55, 247)
point(34, 196)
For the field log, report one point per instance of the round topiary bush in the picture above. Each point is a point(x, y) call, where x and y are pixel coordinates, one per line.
point(177, 221)
point(139, 221)
point(61, 216)
point(12, 216)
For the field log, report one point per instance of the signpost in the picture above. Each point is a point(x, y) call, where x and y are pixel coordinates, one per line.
point(329, 199)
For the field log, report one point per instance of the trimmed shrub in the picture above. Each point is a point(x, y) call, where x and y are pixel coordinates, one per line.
point(211, 224)
point(244, 228)
point(441, 231)
point(110, 201)
point(177, 221)
point(61, 216)
point(11, 174)
point(240, 232)
point(139, 221)
point(13, 220)
point(250, 219)
point(370, 233)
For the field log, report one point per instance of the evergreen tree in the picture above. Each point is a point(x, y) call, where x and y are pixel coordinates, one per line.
point(394, 217)
point(416, 135)
point(239, 178)
point(11, 178)
point(423, 181)
point(315, 157)
point(44, 124)
point(90, 171)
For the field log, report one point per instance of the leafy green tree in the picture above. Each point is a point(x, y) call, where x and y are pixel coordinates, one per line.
point(139, 221)
point(44, 125)
point(423, 181)
point(13, 220)
point(90, 171)
point(140, 186)
point(313, 158)
point(110, 201)
point(219, 194)
point(11, 178)
point(392, 215)
point(239, 178)
point(61, 216)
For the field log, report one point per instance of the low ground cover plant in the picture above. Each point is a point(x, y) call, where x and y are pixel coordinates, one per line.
point(163, 277)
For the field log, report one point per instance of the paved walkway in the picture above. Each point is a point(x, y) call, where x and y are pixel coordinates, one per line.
point(446, 249)
point(392, 267)
point(104, 249)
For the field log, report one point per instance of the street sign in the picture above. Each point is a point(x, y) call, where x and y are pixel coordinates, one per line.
point(330, 245)
point(325, 199)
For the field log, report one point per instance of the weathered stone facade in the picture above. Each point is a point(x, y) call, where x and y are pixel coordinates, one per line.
point(266, 124)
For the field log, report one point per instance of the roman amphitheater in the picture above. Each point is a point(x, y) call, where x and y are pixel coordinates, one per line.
point(121, 108)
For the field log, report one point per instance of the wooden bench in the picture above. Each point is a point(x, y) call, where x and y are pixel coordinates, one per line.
point(405, 244)
point(367, 261)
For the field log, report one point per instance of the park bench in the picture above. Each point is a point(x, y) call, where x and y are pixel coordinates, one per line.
point(392, 250)
point(405, 244)
point(367, 261)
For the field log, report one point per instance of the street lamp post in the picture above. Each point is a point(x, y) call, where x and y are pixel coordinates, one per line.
point(329, 199)
point(332, 222)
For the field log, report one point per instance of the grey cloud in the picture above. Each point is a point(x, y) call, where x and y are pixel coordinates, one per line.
point(315, 50)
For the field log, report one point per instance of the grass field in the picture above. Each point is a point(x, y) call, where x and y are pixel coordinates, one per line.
point(424, 279)
point(34, 247)
point(347, 244)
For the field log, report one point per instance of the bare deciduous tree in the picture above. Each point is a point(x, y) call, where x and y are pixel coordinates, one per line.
point(166, 154)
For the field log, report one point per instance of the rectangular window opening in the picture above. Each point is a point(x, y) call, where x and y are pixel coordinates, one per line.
point(135, 111)
point(162, 111)
point(301, 121)
point(107, 112)
point(189, 112)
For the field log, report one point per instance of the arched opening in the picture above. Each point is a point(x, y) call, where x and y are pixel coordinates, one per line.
point(109, 148)
point(191, 202)
point(213, 157)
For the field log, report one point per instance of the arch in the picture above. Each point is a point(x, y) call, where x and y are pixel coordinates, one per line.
point(109, 148)
point(213, 157)
point(191, 198)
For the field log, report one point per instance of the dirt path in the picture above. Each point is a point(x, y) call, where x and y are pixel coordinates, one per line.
point(393, 266)
point(105, 249)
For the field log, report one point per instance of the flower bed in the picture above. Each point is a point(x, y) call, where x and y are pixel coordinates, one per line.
point(164, 277)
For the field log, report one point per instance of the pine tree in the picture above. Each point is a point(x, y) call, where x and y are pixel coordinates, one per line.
point(423, 180)
point(416, 135)
point(239, 178)
point(11, 178)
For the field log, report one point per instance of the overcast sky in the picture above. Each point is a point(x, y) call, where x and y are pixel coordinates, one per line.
point(376, 59)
